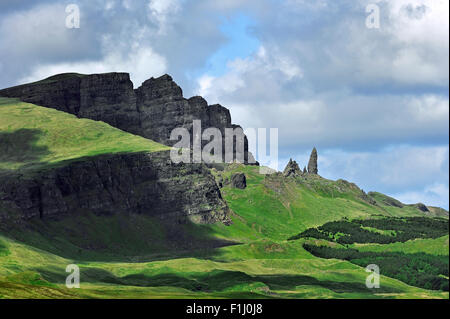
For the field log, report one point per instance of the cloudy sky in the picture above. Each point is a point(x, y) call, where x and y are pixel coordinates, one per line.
point(374, 101)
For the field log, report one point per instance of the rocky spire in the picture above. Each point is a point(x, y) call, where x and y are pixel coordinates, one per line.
point(304, 170)
point(312, 164)
point(292, 169)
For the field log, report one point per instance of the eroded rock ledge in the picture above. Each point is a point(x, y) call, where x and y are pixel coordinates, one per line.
point(143, 183)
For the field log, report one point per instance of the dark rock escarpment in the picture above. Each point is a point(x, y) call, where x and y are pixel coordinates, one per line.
point(238, 180)
point(292, 169)
point(143, 183)
point(422, 207)
point(102, 97)
point(153, 110)
point(312, 164)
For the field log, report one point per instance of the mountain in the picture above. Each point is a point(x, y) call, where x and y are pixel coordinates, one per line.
point(153, 110)
point(81, 182)
point(53, 163)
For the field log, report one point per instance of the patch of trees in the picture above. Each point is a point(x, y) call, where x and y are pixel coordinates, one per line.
point(419, 269)
point(349, 232)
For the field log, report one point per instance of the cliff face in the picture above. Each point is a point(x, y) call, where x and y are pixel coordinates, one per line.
point(143, 183)
point(152, 111)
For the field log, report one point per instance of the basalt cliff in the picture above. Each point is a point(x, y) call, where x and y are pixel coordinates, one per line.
point(141, 183)
point(144, 183)
point(153, 110)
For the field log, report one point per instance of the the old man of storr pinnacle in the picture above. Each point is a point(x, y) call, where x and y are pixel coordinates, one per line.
point(224, 158)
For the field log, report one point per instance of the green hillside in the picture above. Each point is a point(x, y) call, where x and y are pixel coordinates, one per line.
point(264, 265)
point(32, 136)
point(276, 207)
point(136, 256)
point(433, 246)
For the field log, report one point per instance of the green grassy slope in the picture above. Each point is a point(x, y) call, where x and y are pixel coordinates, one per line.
point(433, 246)
point(33, 137)
point(260, 270)
point(277, 208)
point(116, 237)
point(136, 256)
point(410, 262)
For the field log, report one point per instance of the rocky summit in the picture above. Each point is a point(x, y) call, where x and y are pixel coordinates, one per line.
point(153, 110)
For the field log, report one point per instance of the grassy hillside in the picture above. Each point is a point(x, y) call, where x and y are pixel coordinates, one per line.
point(263, 269)
point(33, 136)
point(120, 256)
point(411, 263)
point(136, 256)
point(277, 208)
point(115, 237)
point(433, 246)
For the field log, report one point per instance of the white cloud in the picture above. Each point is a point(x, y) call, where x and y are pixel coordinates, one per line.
point(434, 195)
point(260, 99)
point(204, 84)
point(126, 4)
point(410, 48)
point(394, 168)
point(162, 11)
point(275, 61)
point(110, 5)
point(40, 30)
point(306, 77)
point(258, 77)
point(332, 46)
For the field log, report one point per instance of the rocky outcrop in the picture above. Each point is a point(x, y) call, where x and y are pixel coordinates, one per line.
point(422, 207)
point(312, 164)
point(292, 169)
point(153, 110)
point(238, 180)
point(143, 183)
